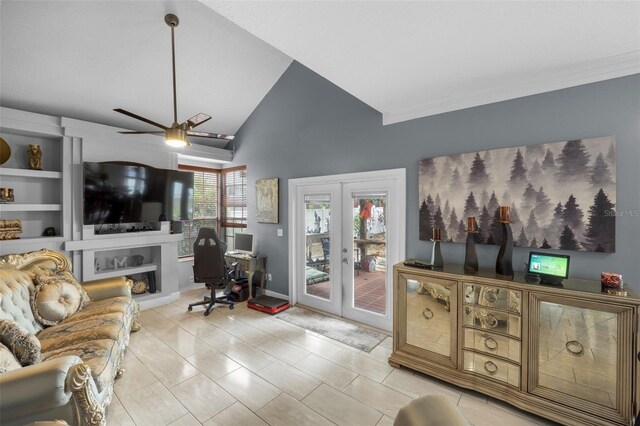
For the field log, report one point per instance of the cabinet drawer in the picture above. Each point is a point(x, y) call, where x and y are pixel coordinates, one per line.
point(493, 344)
point(494, 368)
point(488, 319)
point(493, 297)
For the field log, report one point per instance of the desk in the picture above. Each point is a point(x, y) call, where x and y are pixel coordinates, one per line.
point(249, 265)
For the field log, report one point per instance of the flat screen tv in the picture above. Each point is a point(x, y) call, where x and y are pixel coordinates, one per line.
point(551, 268)
point(132, 193)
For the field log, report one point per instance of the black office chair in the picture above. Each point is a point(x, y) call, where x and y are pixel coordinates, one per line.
point(210, 268)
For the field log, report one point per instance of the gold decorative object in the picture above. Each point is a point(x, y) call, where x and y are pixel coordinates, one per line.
point(35, 157)
point(10, 229)
point(6, 195)
point(5, 151)
point(139, 287)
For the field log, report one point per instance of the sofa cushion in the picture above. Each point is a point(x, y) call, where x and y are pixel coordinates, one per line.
point(102, 356)
point(73, 331)
point(54, 299)
point(8, 360)
point(123, 305)
point(15, 286)
point(63, 277)
point(24, 345)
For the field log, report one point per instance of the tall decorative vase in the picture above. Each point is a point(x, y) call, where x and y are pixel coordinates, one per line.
point(504, 262)
point(471, 257)
point(436, 255)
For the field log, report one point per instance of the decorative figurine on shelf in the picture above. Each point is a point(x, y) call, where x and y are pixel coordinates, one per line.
point(470, 256)
point(49, 232)
point(120, 262)
point(6, 195)
point(436, 252)
point(35, 157)
point(137, 259)
point(504, 262)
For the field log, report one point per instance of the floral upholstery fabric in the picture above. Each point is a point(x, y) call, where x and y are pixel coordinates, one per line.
point(15, 287)
point(54, 299)
point(68, 333)
point(8, 360)
point(102, 356)
point(24, 345)
point(122, 304)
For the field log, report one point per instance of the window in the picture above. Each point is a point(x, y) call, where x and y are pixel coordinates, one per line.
point(234, 203)
point(219, 202)
point(205, 206)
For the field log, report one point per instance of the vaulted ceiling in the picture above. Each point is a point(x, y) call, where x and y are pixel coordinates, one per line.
point(412, 59)
point(81, 59)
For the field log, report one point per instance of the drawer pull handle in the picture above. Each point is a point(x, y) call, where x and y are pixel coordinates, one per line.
point(574, 347)
point(491, 368)
point(491, 343)
point(491, 321)
point(490, 296)
point(427, 313)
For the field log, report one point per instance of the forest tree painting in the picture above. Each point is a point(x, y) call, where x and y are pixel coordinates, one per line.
point(562, 195)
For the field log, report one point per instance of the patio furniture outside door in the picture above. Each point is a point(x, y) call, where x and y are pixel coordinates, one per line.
point(347, 231)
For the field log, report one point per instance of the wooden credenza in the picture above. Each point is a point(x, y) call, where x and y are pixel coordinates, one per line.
point(568, 353)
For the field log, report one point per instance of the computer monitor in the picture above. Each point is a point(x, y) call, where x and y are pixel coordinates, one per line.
point(244, 243)
point(552, 268)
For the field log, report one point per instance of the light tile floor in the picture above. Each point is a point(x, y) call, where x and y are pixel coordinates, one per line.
point(242, 367)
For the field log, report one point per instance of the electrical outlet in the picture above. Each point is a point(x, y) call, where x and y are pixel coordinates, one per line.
point(268, 277)
point(280, 232)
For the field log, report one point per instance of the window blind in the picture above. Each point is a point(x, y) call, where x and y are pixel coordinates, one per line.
point(234, 197)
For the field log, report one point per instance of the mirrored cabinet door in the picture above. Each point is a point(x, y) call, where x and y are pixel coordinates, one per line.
point(581, 354)
point(427, 312)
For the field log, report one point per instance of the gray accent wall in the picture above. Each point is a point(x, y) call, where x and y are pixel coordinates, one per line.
point(307, 126)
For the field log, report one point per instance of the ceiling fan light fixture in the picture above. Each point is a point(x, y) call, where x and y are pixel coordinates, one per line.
point(176, 138)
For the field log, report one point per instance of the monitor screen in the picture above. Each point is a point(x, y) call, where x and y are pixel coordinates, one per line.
point(555, 265)
point(243, 243)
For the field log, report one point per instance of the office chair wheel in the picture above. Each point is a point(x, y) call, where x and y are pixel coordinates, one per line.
point(231, 307)
point(190, 308)
point(206, 313)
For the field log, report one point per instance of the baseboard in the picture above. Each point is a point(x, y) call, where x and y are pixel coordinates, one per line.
point(278, 295)
point(158, 301)
point(192, 286)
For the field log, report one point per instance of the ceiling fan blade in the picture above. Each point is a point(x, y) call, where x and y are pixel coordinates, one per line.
point(137, 117)
point(211, 135)
point(142, 133)
point(197, 120)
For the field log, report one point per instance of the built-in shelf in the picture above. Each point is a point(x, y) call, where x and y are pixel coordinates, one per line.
point(33, 240)
point(109, 273)
point(16, 207)
point(129, 239)
point(42, 174)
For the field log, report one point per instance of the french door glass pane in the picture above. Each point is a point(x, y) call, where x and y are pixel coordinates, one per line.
point(370, 252)
point(317, 222)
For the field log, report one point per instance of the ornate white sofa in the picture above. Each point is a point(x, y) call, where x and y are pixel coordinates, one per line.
point(80, 355)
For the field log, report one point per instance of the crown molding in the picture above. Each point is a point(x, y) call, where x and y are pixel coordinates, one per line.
point(550, 80)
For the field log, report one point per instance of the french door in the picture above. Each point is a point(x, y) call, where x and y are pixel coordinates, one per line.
point(348, 232)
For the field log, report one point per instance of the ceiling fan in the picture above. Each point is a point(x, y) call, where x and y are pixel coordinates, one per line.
point(176, 135)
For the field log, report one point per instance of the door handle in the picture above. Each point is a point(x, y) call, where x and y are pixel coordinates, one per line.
point(345, 260)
